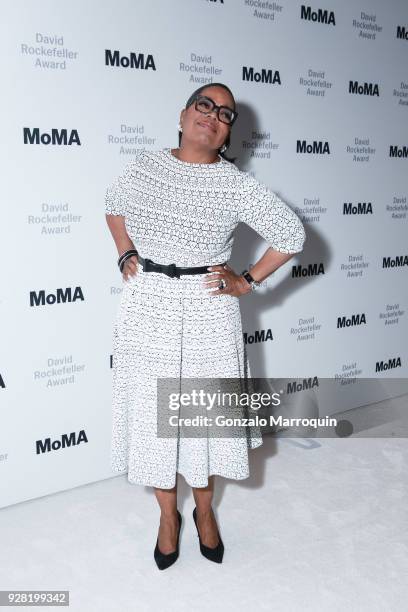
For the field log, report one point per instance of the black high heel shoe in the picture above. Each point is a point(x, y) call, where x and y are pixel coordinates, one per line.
point(164, 561)
point(213, 554)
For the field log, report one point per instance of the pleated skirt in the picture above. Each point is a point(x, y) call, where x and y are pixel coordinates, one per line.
point(171, 329)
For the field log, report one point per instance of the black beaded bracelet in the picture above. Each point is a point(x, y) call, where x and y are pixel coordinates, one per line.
point(125, 254)
point(124, 257)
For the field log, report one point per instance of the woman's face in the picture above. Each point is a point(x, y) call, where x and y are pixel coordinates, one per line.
point(206, 129)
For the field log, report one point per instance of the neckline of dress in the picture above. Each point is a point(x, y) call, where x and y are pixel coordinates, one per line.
point(167, 151)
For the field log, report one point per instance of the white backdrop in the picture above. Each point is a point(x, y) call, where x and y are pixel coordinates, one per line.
point(333, 73)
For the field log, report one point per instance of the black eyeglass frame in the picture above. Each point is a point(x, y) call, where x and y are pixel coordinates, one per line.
point(217, 108)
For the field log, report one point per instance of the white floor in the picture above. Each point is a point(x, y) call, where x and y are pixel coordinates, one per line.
point(320, 525)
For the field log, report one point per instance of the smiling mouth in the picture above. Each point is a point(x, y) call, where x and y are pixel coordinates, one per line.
point(205, 125)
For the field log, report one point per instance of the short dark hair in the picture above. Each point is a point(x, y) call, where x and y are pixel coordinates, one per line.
point(192, 99)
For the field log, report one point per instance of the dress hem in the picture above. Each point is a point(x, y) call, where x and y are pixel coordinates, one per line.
point(150, 484)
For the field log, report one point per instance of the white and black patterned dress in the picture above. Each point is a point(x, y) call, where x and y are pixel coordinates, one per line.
point(183, 213)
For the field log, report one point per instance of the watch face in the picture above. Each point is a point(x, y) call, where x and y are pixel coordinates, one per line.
point(247, 276)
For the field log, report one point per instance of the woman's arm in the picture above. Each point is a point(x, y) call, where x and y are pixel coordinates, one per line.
point(117, 198)
point(273, 220)
point(116, 224)
point(270, 261)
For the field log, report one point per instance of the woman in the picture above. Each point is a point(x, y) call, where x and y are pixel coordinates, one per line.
point(172, 215)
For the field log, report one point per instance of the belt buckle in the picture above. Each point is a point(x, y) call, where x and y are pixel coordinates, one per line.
point(152, 266)
point(171, 271)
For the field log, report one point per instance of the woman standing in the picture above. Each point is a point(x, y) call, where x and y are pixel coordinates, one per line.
point(172, 215)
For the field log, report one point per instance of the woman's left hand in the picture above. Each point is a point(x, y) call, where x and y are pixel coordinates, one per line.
point(236, 284)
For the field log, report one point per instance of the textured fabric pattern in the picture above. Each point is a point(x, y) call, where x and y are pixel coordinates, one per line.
point(183, 213)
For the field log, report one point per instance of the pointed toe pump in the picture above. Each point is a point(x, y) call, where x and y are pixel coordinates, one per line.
point(213, 554)
point(164, 561)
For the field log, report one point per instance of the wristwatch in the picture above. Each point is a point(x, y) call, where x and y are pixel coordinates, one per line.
point(249, 278)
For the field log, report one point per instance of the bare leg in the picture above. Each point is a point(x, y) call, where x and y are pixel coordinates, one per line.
point(207, 525)
point(169, 524)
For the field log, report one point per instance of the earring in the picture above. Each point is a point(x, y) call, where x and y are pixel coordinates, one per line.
point(180, 127)
point(223, 148)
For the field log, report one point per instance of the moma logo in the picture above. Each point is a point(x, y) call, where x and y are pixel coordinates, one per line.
point(61, 296)
point(55, 137)
point(396, 262)
point(140, 61)
point(364, 89)
point(355, 319)
point(65, 441)
point(362, 208)
point(394, 362)
point(396, 151)
point(265, 75)
point(402, 32)
point(300, 271)
point(319, 15)
point(317, 147)
point(261, 335)
point(304, 385)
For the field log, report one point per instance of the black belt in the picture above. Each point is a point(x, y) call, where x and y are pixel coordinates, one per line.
point(170, 269)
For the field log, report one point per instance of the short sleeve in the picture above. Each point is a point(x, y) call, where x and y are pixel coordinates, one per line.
point(118, 192)
point(270, 217)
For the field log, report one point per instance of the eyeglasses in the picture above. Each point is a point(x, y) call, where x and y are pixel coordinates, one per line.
point(225, 114)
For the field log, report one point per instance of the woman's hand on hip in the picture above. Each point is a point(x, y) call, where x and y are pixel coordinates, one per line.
point(234, 284)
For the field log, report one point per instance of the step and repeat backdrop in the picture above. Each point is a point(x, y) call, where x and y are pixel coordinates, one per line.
point(322, 94)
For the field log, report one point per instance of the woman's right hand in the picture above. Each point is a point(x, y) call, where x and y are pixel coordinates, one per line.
point(130, 267)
